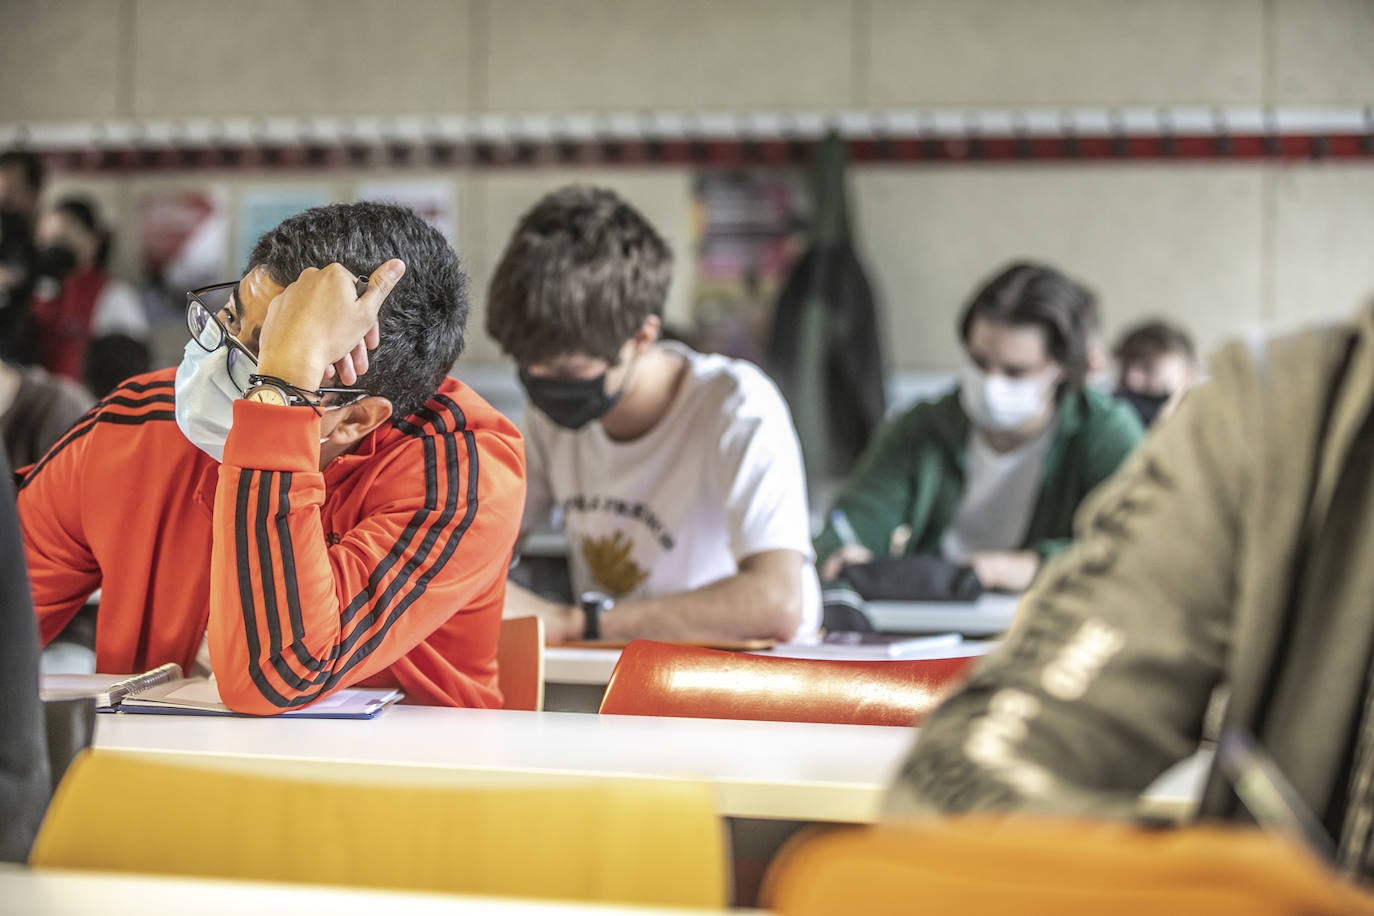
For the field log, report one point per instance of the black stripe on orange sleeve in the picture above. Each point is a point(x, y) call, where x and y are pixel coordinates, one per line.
point(447, 551)
point(387, 608)
point(417, 569)
point(267, 577)
point(417, 587)
point(287, 551)
point(438, 428)
point(326, 678)
point(161, 397)
point(243, 564)
point(249, 517)
point(415, 557)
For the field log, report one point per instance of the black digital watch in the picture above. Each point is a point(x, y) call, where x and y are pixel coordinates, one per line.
point(594, 606)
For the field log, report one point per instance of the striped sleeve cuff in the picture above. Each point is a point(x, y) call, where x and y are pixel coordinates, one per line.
point(268, 437)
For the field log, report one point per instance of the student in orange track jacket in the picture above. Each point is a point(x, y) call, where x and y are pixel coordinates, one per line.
point(316, 537)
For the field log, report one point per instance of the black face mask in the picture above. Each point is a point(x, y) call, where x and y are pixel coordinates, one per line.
point(1147, 406)
point(55, 261)
point(570, 402)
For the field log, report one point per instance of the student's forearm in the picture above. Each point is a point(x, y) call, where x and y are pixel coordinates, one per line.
point(562, 622)
point(521, 602)
point(743, 606)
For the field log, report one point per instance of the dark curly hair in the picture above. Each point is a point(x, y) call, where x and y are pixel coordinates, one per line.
point(423, 319)
point(582, 272)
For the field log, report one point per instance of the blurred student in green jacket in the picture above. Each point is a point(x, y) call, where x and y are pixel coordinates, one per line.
point(991, 474)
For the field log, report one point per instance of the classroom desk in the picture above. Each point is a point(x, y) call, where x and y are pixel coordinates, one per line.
point(63, 892)
point(989, 615)
point(777, 770)
point(791, 771)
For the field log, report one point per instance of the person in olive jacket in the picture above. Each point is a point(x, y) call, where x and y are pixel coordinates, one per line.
point(991, 474)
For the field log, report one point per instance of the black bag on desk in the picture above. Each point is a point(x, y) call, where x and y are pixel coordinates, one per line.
point(916, 578)
point(842, 610)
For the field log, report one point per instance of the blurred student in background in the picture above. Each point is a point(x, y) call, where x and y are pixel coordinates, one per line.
point(36, 408)
point(80, 309)
point(991, 474)
point(21, 185)
point(677, 474)
point(1157, 364)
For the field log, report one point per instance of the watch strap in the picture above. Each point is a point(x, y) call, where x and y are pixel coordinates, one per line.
point(594, 607)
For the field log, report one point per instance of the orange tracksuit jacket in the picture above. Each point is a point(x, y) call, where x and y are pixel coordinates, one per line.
point(389, 568)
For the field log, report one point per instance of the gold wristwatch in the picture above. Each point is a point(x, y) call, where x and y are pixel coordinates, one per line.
point(268, 394)
point(267, 389)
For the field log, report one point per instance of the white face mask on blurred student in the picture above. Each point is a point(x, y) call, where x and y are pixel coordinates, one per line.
point(998, 403)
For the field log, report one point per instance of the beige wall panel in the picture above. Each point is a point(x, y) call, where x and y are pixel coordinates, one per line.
point(1181, 242)
point(663, 197)
point(613, 55)
point(475, 248)
point(300, 57)
point(61, 59)
point(1323, 240)
point(1322, 53)
point(1063, 52)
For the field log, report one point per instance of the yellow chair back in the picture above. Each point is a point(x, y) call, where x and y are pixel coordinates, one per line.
point(653, 843)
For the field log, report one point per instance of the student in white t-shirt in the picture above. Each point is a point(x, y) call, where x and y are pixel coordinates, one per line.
point(677, 475)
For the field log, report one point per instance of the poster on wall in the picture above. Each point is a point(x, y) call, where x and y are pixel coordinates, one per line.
point(434, 199)
point(262, 209)
point(748, 230)
point(184, 243)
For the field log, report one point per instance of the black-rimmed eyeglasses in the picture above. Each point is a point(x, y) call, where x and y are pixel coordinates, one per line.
point(203, 308)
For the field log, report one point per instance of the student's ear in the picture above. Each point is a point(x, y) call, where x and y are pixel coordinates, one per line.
point(649, 331)
point(357, 420)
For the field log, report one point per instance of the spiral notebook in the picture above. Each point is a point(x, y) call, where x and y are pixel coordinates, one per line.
point(163, 691)
point(108, 690)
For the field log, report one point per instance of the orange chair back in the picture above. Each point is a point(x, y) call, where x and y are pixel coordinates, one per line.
point(660, 679)
point(520, 663)
point(1031, 866)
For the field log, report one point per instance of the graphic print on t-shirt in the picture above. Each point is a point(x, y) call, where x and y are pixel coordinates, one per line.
point(611, 563)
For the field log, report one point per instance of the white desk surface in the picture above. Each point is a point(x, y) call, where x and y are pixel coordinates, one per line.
point(989, 615)
point(781, 770)
point(787, 770)
point(568, 665)
point(61, 892)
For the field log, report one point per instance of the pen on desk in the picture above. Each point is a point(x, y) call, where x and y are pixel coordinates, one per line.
point(840, 522)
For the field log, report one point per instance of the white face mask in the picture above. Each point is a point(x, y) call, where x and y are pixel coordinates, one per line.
point(999, 403)
point(205, 398)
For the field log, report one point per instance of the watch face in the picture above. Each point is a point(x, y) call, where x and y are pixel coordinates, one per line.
point(267, 395)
